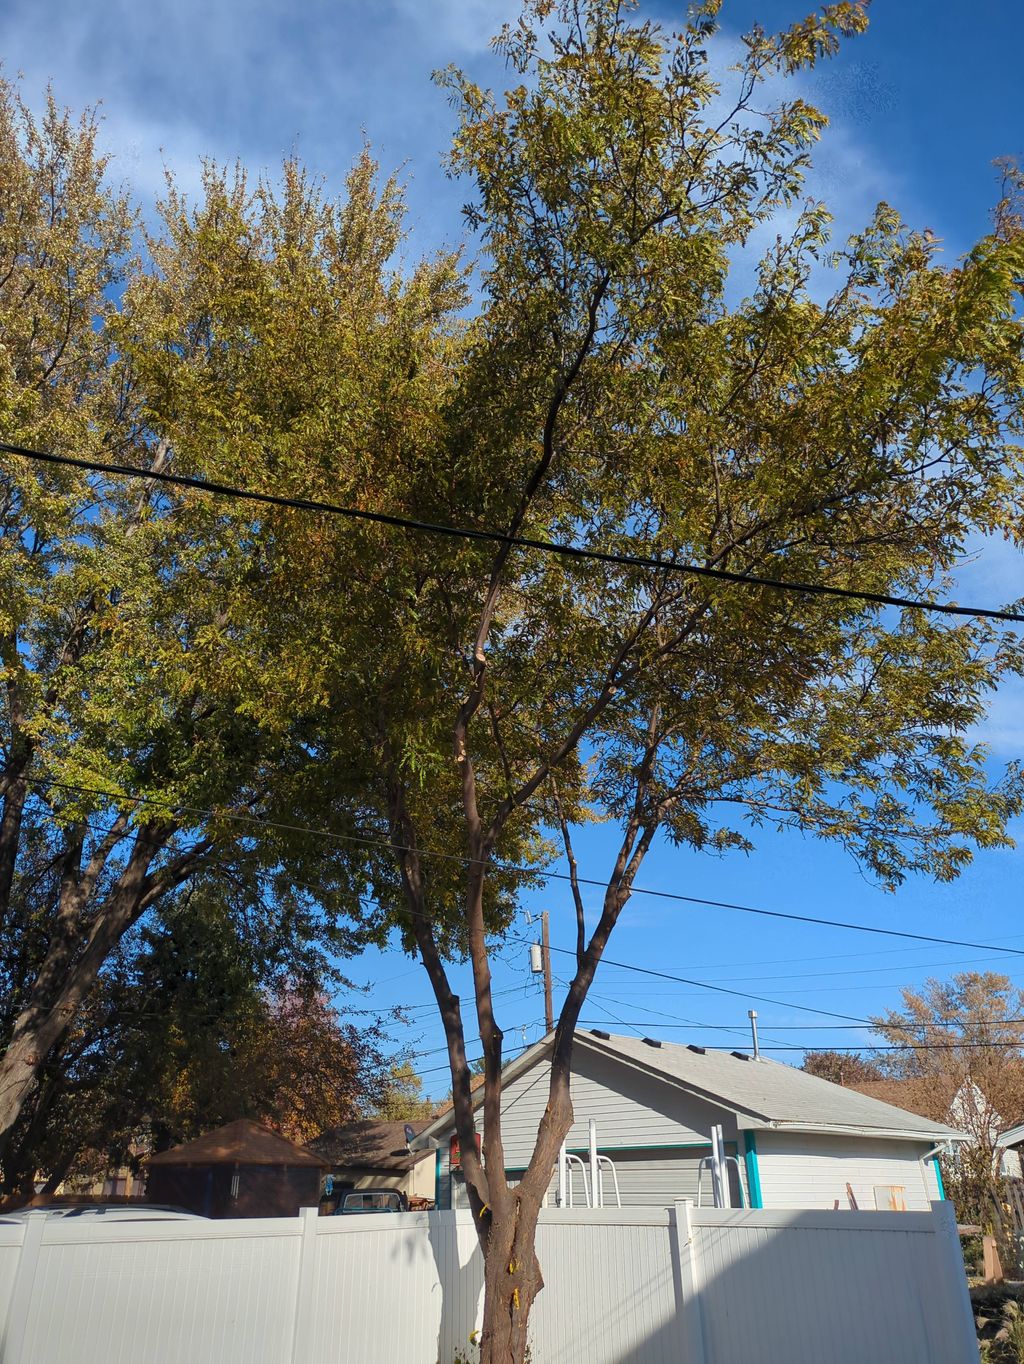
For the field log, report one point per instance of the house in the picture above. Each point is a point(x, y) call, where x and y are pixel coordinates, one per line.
point(367, 1154)
point(1010, 1145)
point(240, 1170)
point(800, 1142)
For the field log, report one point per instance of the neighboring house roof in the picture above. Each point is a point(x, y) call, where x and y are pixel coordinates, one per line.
point(762, 1093)
point(238, 1143)
point(959, 1101)
point(369, 1145)
point(931, 1098)
point(1013, 1136)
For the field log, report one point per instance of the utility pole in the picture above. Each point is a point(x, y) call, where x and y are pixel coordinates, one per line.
point(545, 942)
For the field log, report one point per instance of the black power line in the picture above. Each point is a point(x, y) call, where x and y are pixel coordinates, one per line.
point(502, 538)
point(912, 1046)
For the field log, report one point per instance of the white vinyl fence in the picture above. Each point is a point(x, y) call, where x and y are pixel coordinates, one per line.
point(680, 1286)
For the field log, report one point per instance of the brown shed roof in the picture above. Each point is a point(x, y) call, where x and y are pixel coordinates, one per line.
point(369, 1145)
point(238, 1143)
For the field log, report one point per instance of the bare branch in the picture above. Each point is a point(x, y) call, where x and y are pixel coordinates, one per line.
point(574, 881)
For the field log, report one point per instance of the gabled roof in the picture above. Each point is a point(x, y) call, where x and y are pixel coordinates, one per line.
point(369, 1145)
point(761, 1093)
point(238, 1143)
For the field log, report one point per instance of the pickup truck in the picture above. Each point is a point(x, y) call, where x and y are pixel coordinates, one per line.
point(372, 1200)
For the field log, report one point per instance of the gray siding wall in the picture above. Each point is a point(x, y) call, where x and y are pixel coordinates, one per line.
point(653, 1133)
point(631, 1109)
point(647, 1179)
point(802, 1170)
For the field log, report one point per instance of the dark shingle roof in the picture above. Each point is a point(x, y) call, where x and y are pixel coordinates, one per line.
point(370, 1145)
point(238, 1143)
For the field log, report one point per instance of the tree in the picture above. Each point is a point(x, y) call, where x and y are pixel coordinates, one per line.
point(147, 737)
point(402, 1100)
point(611, 396)
point(842, 1068)
point(199, 1019)
point(961, 1048)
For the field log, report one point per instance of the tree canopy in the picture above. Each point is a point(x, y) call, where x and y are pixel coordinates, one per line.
point(153, 715)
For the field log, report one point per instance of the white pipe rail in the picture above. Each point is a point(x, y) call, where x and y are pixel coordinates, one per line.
point(602, 1161)
point(571, 1162)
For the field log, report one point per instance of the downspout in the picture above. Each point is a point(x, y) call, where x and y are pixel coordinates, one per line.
point(933, 1155)
point(753, 1169)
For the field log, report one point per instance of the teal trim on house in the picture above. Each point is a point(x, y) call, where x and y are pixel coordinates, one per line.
point(938, 1178)
point(730, 1147)
point(753, 1172)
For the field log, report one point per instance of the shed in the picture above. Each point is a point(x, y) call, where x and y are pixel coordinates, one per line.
point(240, 1170)
point(799, 1140)
point(368, 1154)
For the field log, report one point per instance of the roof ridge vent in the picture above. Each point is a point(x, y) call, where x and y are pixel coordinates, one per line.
point(605, 1036)
point(740, 1055)
point(692, 1046)
point(651, 1041)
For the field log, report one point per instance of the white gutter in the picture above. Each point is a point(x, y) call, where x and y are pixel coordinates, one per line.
point(930, 1155)
point(854, 1130)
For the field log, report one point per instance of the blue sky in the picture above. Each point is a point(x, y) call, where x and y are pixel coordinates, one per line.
point(920, 108)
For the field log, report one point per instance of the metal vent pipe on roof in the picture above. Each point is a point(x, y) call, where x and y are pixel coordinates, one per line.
point(752, 1015)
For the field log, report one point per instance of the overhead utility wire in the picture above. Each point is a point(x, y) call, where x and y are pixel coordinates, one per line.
point(677, 1021)
point(687, 1023)
point(910, 1046)
point(501, 538)
point(526, 871)
point(508, 1056)
point(642, 970)
point(881, 1026)
point(902, 970)
point(719, 989)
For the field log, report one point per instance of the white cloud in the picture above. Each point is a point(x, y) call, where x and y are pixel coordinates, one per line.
point(461, 26)
point(1003, 728)
point(180, 79)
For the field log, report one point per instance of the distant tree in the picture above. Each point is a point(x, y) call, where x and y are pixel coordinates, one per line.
point(970, 1028)
point(960, 1047)
point(402, 1099)
point(842, 1068)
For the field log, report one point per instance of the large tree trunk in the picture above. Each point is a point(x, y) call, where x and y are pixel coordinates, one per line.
point(512, 1280)
point(512, 1272)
